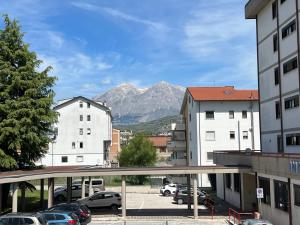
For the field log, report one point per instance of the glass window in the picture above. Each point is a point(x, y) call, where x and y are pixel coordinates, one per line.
point(274, 9)
point(80, 104)
point(88, 131)
point(73, 145)
point(245, 134)
point(79, 158)
point(64, 159)
point(264, 183)
point(292, 139)
point(290, 65)
point(59, 217)
point(88, 105)
point(276, 76)
point(81, 145)
point(297, 194)
point(81, 118)
point(281, 195)
point(228, 180)
point(275, 42)
point(88, 117)
point(210, 136)
point(288, 29)
point(244, 114)
point(291, 102)
point(190, 117)
point(81, 131)
point(27, 221)
point(231, 114)
point(277, 108)
point(237, 179)
point(210, 114)
point(232, 135)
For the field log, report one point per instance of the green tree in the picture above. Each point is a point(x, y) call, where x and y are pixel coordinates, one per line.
point(26, 97)
point(139, 152)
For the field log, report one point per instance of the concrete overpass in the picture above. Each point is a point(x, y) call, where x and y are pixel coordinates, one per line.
point(50, 173)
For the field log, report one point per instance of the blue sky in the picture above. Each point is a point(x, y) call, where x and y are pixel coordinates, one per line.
point(94, 45)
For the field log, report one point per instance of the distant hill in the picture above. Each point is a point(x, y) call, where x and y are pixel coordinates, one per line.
point(131, 105)
point(162, 125)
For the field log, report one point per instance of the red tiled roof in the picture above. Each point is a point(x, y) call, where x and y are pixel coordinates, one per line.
point(159, 141)
point(227, 93)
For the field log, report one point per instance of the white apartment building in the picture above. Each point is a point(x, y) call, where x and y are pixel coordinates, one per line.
point(84, 134)
point(278, 48)
point(219, 118)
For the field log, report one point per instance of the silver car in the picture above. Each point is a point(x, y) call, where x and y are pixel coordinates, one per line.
point(256, 222)
point(103, 199)
point(23, 219)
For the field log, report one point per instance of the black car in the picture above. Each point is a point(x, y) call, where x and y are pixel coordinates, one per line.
point(80, 210)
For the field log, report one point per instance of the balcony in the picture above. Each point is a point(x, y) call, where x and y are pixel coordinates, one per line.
point(285, 165)
point(176, 145)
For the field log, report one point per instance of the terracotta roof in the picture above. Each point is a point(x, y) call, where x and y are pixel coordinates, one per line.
point(227, 93)
point(159, 141)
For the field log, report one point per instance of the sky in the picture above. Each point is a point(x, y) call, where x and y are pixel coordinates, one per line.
point(95, 45)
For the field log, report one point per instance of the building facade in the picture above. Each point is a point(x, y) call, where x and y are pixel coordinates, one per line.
point(276, 168)
point(84, 134)
point(160, 143)
point(219, 118)
point(115, 148)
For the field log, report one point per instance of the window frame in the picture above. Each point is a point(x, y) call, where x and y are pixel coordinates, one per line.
point(228, 181)
point(291, 102)
point(281, 202)
point(64, 159)
point(277, 110)
point(290, 65)
point(292, 139)
point(236, 182)
point(245, 137)
point(275, 42)
point(230, 135)
point(244, 114)
point(296, 202)
point(231, 114)
point(81, 145)
point(265, 184)
point(210, 113)
point(289, 29)
point(210, 132)
point(276, 76)
point(274, 9)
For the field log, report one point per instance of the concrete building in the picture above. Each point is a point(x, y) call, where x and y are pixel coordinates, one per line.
point(84, 134)
point(278, 51)
point(219, 118)
point(115, 148)
point(163, 153)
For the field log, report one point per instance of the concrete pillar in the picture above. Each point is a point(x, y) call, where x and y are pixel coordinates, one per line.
point(91, 191)
point(69, 189)
point(123, 197)
point(1, 196)
point(50, 192)
point(189, 192)
point(42, 183)
point(82, 187)
point(15, 197)
point(195, 196)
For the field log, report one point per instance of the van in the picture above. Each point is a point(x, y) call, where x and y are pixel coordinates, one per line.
point(97, 184)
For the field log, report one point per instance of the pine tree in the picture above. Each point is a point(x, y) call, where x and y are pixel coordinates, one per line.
point(26, 98)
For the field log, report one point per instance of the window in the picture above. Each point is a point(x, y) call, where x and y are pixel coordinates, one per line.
point(231, 114)
point(281, 195)
point(190, 117)
point(88, 118)
point(190, 136)
point(88, 131)
point(282, 1)
point(88, 105)
point(274, 9)
point(210, 114)
point(191, 155)
point(210, 156)
point(244, 114)
point(80, 104)
point(292, 139)
point(277, 108)
point(210, 136)
point(291, 102)
point(228, 180)
point(297, 194)
point(64, 159)
point(245, 134)
point(79, 158)
point(236, 180)
point(276, 76)
point(264, 183)
point(275, 42)
point(80, 131)
point(290, 65)
point(232, 135)
point(81, 118)
point(81, 145)
point(73, 145)
point(288, 29)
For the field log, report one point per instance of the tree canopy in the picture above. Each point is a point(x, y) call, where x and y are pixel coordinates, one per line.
point(26, 98)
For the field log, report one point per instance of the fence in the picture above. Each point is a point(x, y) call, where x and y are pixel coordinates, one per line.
point(236, 218)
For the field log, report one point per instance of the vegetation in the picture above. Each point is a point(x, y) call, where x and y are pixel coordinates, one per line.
point(154, 127)
point(139, 152)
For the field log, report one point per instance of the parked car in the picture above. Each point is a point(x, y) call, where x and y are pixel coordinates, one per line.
point(168, 189)
point(60, 194)
point(80, 210)
point(97, 184)
point(103, 199)
point(61, 218)
point(256, 222)
point(181, 196)
point(23, 219)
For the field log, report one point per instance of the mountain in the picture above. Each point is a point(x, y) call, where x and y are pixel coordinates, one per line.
point(155, 127)
point(131, 105)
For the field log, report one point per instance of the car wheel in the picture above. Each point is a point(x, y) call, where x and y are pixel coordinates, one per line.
point(180, 201)
point(60, 198)
point(114, 208)
point(167, 193)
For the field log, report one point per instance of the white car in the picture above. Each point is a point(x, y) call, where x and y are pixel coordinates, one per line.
point(168, 189)
point(23, 218)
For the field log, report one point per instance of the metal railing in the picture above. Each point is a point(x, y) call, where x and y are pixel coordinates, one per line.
point(236, 218)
